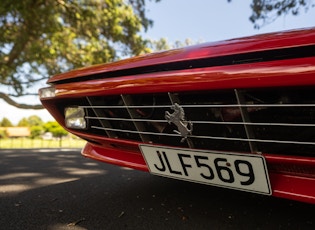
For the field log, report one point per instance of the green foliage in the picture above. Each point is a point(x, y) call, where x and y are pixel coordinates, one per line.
point(37, 127)
point(3, 134)
point(5, 122)
point(266, 11)
point(56, 129)
point(163, 44)
point(36, 131)
point(23, 122)
point(30, 121)
point(42, 38)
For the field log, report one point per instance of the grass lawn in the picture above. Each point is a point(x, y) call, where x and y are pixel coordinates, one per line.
point(40, 143)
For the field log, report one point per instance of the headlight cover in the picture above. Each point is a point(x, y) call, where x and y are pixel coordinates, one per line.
point(74, 118)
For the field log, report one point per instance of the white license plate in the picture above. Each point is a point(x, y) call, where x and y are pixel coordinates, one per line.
point(230, 170)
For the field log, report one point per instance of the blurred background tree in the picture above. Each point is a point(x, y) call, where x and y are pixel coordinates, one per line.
point(37, 126)
point(5, 122)
point(267, 11)
point(54, 128)
point(31, 121)
point(35, 123)
point(42, 38)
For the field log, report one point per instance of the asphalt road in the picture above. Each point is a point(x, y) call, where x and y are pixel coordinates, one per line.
point(59, 189)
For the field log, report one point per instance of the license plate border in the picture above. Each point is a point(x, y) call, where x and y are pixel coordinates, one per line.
point(192, 151)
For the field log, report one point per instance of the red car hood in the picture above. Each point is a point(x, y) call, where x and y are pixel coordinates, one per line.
point(256, 43)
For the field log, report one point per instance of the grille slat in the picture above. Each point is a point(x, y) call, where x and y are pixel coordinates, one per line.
point(103, 122)
point(137, 132)
point(275, 120)
point(245, 118)
point(198, 106)
point(204, 122)
point(138, 125)
point(208, 137)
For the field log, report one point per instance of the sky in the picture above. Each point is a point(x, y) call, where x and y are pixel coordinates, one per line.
point(197, 20)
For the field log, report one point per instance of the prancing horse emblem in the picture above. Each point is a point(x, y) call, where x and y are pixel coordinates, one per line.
point(178, 119)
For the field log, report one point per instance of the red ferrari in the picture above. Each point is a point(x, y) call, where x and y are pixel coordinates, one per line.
point(238, 114)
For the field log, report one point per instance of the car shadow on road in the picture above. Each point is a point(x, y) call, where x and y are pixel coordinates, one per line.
point(59, 189)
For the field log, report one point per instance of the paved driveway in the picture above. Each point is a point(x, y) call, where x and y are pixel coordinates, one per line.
point(58, 189)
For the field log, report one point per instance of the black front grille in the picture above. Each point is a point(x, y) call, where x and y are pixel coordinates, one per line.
point(275, 120)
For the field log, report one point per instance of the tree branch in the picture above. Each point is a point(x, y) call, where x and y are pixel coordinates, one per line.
point(8, 100)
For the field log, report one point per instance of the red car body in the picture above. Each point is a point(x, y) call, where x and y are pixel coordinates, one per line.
point(248, 96)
